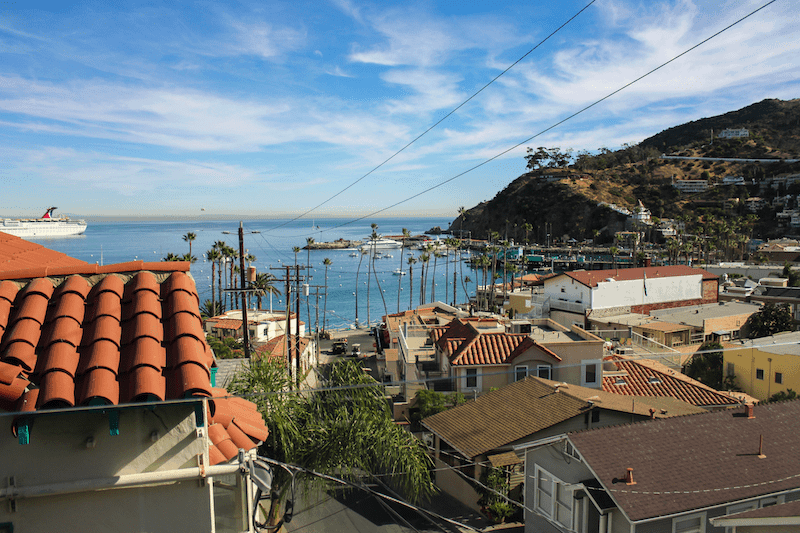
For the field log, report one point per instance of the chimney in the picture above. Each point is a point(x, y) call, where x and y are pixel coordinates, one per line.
point(652, 413)
point(629, 477)
point(749, 410)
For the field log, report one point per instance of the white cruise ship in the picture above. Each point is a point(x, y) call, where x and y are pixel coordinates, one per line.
point(380, 244)
point(47, 226)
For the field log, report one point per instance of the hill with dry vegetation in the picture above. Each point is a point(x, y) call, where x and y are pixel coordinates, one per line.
point(568, 196)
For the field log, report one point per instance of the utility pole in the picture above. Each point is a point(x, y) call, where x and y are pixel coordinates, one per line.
point(291, 363)
point(245, 324)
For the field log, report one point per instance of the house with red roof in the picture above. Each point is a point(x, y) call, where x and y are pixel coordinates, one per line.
point(475, 360)
point(680, 474)
point(576, 295)
point(107, 392)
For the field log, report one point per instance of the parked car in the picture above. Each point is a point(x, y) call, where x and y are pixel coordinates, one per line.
point(339, 347)
point(356, 350)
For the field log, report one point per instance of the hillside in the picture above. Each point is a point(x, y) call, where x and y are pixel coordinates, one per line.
point(566, 199)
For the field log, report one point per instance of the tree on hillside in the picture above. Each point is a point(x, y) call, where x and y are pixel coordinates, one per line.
point(548, 158)
point(344, 429)
point(769, 320)
point(791, 275)
point(706, 365)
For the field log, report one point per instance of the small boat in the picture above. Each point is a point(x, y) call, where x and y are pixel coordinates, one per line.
point(398, 272)
point(353, 254)
point(388, 256)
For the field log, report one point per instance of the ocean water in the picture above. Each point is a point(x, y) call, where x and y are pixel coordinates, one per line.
point(116, 242)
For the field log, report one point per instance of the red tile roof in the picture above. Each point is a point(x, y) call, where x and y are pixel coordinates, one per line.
point(465, 345)
point(276, 346)
point(19, 254)
point(647, 378)
point(591, 278)
point(111, 335)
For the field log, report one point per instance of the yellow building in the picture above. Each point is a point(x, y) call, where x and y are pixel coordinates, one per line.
point(765, 366)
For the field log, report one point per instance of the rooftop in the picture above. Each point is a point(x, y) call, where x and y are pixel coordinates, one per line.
point(693, 462)
point(525, 407)
point(643, 377)
point(787, 343)
point(591, 278)
point(695, 315)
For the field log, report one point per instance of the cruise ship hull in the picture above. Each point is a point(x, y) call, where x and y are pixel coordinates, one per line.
point(42, 227)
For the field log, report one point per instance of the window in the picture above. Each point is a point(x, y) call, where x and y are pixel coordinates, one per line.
point(563, 509)
point(544, 371)
point(730, 370)
point(563, 289)
point(689, 524)
point(520, 372)
point(779, 377)
point(591, 374)
point(759, 373)
point(472, 378)
point(544, 492)
point(590, 371)
point(554, 498)
point(595, 415)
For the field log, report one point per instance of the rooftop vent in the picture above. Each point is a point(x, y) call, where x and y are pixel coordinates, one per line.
point(619, 381)
point(653, 380)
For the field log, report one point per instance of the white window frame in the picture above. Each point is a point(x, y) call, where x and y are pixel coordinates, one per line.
point(556, 487)
point(517, 370)
point(465, 378)
point(598, 372)
point(549, 369)
point(678, 519)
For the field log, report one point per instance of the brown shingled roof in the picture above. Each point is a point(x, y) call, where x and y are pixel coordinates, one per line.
point(694, 462)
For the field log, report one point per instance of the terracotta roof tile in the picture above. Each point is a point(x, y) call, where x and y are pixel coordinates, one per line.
point(8, 290)
point(178, 302)
point(110, 283)
point(102, 353)
point(188, 379)
point(222, 440)
point(102, 328)
point(143, 281)
point(142, 302)
point(106, 303)
point(33, 306)
point(68, 304)
point(143, 383)
point(647, 378)
point(227, 323)
point(74, 284)
point(98, 384)
point(86, 355)
point(239, 437)
point(61, 356)
point(186, 349)
point(181, 324)
point(142, 351)
point(57, 390)
point(142, 325)
point(215, 456)
point(63, 329)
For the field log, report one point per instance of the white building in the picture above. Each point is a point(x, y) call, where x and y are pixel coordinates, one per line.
point(734, 133)
point(576, 295)
point(690, 186)
point(263, 325)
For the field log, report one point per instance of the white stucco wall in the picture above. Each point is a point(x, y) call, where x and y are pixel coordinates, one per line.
point(624, 293)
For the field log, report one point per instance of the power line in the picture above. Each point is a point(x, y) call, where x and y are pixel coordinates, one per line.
point(418, 137)
point(573, 115)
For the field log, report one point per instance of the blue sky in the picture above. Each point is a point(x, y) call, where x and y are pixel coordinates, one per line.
point(270, 108)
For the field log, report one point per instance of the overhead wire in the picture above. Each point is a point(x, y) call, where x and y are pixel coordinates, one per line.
point(553, 126)
point(462, 104)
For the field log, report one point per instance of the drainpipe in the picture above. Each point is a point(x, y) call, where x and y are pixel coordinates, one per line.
point(117, 482)
point(603, 524)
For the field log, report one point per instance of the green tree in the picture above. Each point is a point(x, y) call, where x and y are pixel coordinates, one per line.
point(792, 275)
point(264, 284)
point(783, 396)
point(769, 320)
point(406, 235)
point(209, 308)
point(706, 365)
point(213, 255)
point(345, 429)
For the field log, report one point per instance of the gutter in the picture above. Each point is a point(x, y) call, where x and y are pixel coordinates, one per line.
point(12, 492)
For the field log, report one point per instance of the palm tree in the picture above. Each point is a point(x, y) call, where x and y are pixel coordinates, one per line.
point(358, 270)
point(219, 246)
point(230, 256)
point(213, 256)
point(436, 255)
point(406, 235)
point(375, 238)
point(189, 237)
point(327, 262)
point(209, 309)
point(172, 257)
point(264, 284)
point(296, 250)
point(309, 242)
point(424, 258)
point(187, 257)
point(411, 261)
point(505, 267)
point(528, 227)
point(613, 251)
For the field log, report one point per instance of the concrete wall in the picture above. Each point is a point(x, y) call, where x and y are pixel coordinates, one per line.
point(658, 290)
point(75, 446)
point(455, 485)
